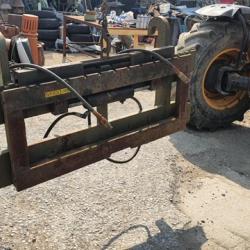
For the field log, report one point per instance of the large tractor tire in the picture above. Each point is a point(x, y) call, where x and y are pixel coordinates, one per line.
point(217, 44)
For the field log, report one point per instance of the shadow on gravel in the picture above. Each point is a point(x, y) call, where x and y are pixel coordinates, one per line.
point(224, 152)
point(167, 238)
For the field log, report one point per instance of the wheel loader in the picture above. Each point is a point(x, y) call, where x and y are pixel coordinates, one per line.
point(208, 69)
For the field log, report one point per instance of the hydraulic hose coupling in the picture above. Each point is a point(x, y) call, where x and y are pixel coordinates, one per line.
point(102, 120)
point(181, 75)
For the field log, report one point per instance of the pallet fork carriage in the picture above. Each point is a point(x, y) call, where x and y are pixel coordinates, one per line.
point(28, 92)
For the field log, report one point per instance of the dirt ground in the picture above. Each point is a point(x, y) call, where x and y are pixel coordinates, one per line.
point(189, 190)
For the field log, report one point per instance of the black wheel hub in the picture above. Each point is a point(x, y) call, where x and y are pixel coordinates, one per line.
point(212, 78)
point(218, 78)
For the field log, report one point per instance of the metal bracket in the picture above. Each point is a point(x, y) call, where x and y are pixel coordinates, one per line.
point(161, 25)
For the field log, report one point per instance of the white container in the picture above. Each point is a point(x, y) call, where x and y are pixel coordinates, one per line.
point(142, 21)
point(138, 22)
point(164, 8)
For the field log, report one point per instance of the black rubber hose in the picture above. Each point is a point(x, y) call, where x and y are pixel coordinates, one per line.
point(180, 74)
point(83, 116)
point(138, 148)
point(126, 161)
point(86, 105)
point(53, 124)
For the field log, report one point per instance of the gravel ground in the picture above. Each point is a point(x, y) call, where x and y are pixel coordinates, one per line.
point(87, 209)
point(189, 190)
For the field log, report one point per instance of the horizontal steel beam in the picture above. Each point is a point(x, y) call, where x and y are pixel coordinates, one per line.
point(84, 156)
point(34, 96)
point(33, 76)
point(50, 149)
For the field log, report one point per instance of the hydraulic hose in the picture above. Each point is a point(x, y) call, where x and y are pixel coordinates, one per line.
point(83, 116)
point(53, 124)
point(180, 74)
point(86, 105)
point(138, 148)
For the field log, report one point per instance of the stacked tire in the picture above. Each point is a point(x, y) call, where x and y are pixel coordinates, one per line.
point(48, 27)
point(80, 33)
